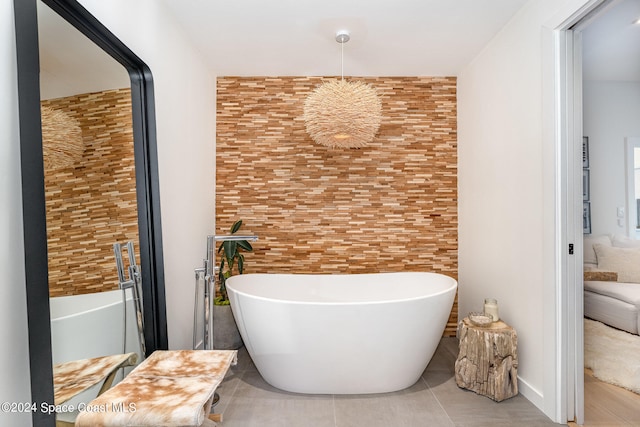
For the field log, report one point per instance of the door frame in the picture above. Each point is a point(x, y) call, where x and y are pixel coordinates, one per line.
point(568, 130)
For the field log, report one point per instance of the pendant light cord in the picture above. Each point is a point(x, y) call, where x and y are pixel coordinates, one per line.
point(342, 60)
point(342, 37)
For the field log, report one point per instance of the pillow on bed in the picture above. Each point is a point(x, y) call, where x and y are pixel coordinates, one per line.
point(624, 261)
point(590, 259)
point(621, 241)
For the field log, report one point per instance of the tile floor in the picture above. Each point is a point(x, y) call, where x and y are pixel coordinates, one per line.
point(246, 400)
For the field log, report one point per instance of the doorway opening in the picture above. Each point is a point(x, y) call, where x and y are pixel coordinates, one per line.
point(597, 95)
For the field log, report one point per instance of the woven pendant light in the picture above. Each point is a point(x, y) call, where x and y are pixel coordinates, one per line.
point(343, 114)
point(62, 144)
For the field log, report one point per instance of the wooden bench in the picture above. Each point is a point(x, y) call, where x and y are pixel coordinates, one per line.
point(170, 388)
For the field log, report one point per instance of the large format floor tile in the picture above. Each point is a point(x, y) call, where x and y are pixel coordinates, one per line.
point(412, 407)
point(256, 403)
point(435, 400)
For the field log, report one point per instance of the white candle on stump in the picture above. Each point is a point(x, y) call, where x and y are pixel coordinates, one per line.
point(491, 308)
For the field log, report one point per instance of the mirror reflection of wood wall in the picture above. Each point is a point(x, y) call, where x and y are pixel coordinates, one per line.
point(92, 204)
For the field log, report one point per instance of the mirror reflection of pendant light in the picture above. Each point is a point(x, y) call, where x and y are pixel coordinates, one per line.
point(343, 114)
point(62, 144)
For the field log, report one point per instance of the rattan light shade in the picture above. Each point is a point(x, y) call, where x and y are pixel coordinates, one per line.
point(343, 114)
point(62, 144)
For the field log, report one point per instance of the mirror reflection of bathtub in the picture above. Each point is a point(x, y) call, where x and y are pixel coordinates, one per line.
point(97, 194)
point(93, 325)
point(92, 96)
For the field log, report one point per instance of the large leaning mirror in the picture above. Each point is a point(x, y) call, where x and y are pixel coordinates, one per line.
point(89, 182)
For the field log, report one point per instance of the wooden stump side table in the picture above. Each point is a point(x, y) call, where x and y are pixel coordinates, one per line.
point(487, 360)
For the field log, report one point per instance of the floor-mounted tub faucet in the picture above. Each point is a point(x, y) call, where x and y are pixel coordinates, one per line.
point(207, 275)
point(134, 282)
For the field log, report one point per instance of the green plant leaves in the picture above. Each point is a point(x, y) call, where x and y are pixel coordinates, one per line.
point(230, 251)
point(236, 226)
point(240, 263)
point(231, 257)
point(219, 300)
point(245, 245)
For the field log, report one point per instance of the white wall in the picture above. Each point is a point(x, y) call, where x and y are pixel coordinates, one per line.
point(506, 189)
point(185, 109)
point(611, 113)
point(185, 114)
point(14, 353)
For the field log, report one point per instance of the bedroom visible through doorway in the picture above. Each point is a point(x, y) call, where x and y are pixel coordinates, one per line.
point(607, 40)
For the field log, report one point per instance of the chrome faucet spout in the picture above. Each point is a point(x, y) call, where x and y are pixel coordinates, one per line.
point(234, 237)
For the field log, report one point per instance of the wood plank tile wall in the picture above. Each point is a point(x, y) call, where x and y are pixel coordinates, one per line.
point(391, 206)
point(93, 205)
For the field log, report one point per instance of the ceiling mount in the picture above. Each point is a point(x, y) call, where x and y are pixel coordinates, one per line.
point(342, 36)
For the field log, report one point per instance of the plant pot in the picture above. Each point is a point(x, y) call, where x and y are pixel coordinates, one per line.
point(225, 331)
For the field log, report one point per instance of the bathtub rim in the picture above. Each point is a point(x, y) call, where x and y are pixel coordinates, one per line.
point(452, 288)
point(111, 293)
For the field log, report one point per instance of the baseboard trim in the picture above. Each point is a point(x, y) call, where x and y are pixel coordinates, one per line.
point(531, 394)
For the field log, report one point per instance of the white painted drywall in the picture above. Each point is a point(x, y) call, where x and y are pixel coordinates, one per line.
point(506, 189)
point(14, 351)
point(611, 114)
point(185, 114)
point(185, 108)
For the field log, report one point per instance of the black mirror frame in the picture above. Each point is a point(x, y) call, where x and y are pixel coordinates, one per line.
point(33, 195)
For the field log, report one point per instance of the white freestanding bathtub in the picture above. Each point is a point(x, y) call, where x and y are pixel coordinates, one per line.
point(91, 325)
point(341, 334)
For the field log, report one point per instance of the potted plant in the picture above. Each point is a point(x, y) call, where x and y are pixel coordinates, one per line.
point(225, 331)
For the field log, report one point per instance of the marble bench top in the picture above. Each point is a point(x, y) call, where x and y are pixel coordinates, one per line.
point(170, 388)
point(74, 377)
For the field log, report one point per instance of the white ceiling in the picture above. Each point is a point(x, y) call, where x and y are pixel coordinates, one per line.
point(70, 63)
point(611, 43)
point(297, 37)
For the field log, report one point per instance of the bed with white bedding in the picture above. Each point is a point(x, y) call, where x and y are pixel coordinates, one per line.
point(613, 302)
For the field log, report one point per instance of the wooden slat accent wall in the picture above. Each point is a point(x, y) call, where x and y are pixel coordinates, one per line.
point(391, 206)
point(93, 205)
